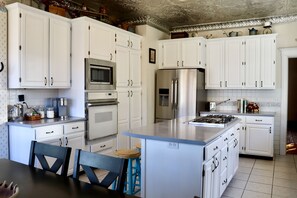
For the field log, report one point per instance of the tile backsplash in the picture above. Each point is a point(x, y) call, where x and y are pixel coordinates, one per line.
point(268, 101)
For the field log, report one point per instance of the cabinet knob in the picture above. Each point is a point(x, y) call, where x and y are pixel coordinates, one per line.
point(45, 81)
point(131, 44)
point(66, 141)
point(128, 43)
point(131, 93)
point(52, 81)
point(110, 56)
point(128, 82)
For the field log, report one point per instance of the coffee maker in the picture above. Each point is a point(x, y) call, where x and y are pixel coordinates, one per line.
point(60, 106)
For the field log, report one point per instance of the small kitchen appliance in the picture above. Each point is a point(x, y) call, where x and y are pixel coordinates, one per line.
point(60, 107)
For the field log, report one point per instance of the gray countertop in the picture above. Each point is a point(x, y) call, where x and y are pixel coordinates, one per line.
point(228, 112)
point(44, 122)
point(178, 130)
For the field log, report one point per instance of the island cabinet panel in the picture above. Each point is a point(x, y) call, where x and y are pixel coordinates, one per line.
point(180, 169)
point(176, 170)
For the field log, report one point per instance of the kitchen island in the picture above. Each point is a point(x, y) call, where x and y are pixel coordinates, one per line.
point(182, 160)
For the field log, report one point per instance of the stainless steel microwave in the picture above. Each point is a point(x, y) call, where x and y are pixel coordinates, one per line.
point(99, 74)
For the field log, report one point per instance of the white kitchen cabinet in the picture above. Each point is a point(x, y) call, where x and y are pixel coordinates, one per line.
point(59, 56)
point(268, 57)
point(128, 67)
point(102, 42)
point(37, 40)
point(242, 134)
point(211, 181)
point(129, 113)
point(248, 62)
point(128, 40)
point(214, 71)
point(69, 134)
point(259, 135)
point(182, 53)
point(233, 153)
point(234, 60)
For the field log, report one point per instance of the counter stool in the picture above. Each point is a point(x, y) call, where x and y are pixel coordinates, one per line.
point(133, 172)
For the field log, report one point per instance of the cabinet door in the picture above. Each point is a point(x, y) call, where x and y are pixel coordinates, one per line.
point(189, 53)
point(216, 176)
point(170, 52)
point(122, 39)
point(122, 67)
point(214, 64)
point(75, 141)
point(207, 179)
point(259, 140)
point(230, 166)
point(202, 53)
point(34, 49)
point(135, 42)
point(135, 68)
point(268, 53)
point(59, 53)
point(123, 117)
point(252, 62)
point(234, 62)
point(135, 108)
point(102, 42)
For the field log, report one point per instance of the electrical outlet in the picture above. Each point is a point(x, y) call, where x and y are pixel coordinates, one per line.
point(173, 145)
point(21, 98)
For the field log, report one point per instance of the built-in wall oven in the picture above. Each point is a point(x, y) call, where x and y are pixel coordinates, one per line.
point(101, 114)
point(99, 74)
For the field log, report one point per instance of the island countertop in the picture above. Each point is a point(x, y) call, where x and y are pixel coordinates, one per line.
point(180, 131)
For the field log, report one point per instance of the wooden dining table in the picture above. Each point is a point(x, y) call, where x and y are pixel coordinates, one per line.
point(33, 182)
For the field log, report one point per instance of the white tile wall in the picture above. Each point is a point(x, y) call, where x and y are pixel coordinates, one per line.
point(268, 100)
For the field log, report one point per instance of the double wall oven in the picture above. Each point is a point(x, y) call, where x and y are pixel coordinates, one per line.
point(101, 98)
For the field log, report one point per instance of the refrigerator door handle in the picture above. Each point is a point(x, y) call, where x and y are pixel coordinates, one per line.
point(176, 93)
point(173, 93)
point(2, 67)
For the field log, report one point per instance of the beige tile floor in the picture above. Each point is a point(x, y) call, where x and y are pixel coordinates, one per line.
point(258, 178)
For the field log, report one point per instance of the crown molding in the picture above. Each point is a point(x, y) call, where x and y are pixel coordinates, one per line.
point(234, 24)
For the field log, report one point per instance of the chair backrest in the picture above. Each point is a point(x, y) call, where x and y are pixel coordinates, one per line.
point(116, 167)
point(42, 150)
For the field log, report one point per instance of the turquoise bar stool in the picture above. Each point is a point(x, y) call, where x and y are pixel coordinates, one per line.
point(133, 181)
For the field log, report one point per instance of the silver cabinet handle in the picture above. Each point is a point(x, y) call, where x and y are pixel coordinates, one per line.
point(128, 82)
point(220, 83)
point(261, 83)
point(102, 146)
point(110, 56)
point(182, 63)
point(128, 93)
point(131, 93)
point(49, 132)
point(225, 83)
point(131, 44)
point(256, 84)
point(60, 141)
point(45, 81)
point(52, 81)
point(75, 127)
point(215, 148)
point(128, 43)
point(258, 120)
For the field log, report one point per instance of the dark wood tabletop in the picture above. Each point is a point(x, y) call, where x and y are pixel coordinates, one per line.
point(34, 182)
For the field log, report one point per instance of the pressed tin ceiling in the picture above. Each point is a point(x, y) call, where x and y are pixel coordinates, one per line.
point(174, 14)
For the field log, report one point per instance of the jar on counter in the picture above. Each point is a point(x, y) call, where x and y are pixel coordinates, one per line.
point(50, 112)
point(40, 110)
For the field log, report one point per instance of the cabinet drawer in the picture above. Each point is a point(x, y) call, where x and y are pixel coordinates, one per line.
point(101, 146)
point(259, 120)
point(213, 148)
point(49, 132)
point(74, 127)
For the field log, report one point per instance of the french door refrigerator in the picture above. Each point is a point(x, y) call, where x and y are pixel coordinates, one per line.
point(179, 93)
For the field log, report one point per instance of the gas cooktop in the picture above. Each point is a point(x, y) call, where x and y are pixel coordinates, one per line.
point(212, 120)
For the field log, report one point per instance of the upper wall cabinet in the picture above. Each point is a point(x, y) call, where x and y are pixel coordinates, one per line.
point(39, 48)
point(241, 62)
point(102, 42)
point(182, 53)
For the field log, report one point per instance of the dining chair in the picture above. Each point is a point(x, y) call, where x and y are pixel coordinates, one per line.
point(60, 154)
point(116, 167)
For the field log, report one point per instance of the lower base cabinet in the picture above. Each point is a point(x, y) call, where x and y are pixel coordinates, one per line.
point(220, 169)
point(69, 134)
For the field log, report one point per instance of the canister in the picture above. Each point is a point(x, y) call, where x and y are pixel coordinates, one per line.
point(50, 112)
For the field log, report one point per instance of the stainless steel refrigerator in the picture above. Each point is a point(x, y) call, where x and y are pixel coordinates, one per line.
point(179, 93)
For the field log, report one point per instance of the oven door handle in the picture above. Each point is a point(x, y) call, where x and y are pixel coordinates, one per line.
point(94, 104)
